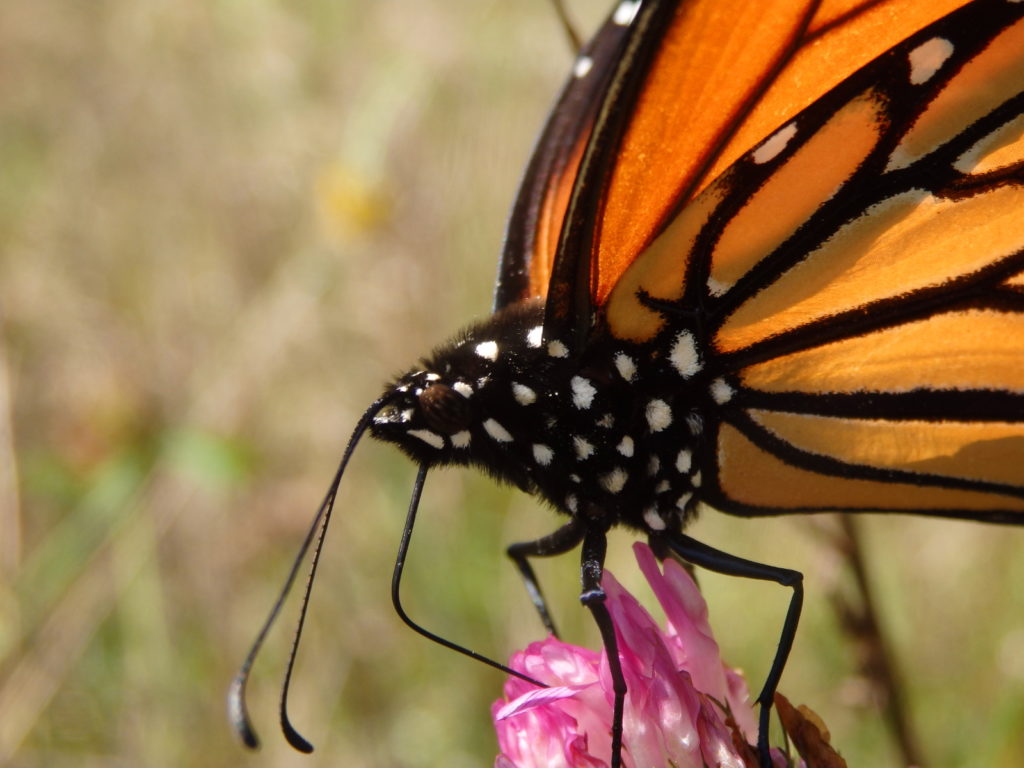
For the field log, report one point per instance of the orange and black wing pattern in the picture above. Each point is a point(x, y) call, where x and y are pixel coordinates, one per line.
point(829, 199)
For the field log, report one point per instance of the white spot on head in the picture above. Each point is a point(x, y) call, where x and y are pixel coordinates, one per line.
point(523, 394)
point(721, 391)
point(542, 454)
point(663, 486)
point(626, 12)
point(659, 415)
point(571, 502)
point(684, 500)
point(653, 519)
point(684, 355)
point(463, 388)
point(461, 439)
point(615, 480)
point(496, 431)
point(534, 336)
point(582, 66)
point(772, 146)
point(557, 349)
point(584, 448)
point(488, 350)
point(684, 461)
point(625, 446)
point(695, 480)
point(653, 466)
point(625, 366)
point(432, 439)
point(928, 58)
point(582, 392)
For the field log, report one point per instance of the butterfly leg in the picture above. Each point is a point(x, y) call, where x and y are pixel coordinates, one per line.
point(593, 597)
point(557, 543)
point(715, 560)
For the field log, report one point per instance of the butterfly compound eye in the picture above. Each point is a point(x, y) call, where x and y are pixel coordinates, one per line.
point(444, 409)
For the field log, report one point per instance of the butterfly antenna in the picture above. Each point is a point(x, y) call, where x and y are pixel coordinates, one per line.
point(570, 31)
point(238, 712)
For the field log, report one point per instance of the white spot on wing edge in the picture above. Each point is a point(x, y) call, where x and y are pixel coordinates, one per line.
point(496, 431)
point(461, 439)
point(721, 391)
point(488, 350)
point(684, 356)
point(582, 392)
point(626, 12)
point(432, 439)
point(774, 144)
point(523, 394)
point(542, 454)
point(615, 480)
point(927, 59)
point(659, 415)
point(534, 336)
point(684, 500)
point(582, 66)
point(625, 446)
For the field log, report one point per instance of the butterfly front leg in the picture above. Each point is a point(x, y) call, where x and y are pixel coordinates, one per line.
point(564, 539)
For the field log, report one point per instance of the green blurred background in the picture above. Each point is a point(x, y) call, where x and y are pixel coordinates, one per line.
point(223, 225)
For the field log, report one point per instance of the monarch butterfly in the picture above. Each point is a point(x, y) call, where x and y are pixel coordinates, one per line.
point(766, 258)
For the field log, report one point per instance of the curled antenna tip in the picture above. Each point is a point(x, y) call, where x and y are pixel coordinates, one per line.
point(293, 737)
point(238, 714)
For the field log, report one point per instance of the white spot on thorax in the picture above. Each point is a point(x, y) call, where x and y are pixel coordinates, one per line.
point(571, 502)
point(461, 439)
point(684, 461)
point(463, 388)
point(557, 349)
point(653, 519)
point(488, 350)
point(496, 431)
point(625, 366)
point(575, 478)
point(721, 391)
point(582, 392)
point(626, 12)
point(534, 336)
point(432, 439)
point(684, 355)
point(625, 446)
point(615, 480)
point(523, 394)
point(659, 415)
point(774, 144)
point(584, 448)
point(928, 58)
point(582, 66)
point(542, 454)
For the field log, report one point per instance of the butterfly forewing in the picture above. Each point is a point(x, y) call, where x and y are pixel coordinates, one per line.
point(854, 285)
